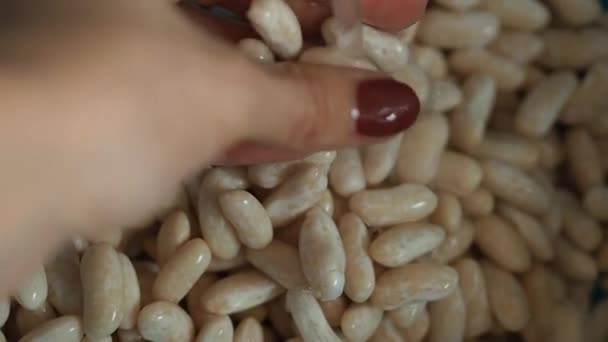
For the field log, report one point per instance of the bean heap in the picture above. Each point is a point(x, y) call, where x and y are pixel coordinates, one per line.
point(483, 222)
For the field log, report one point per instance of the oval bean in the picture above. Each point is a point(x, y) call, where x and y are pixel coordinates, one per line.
point(322, 255)
point(103, 290)
point(404, 203)
point(181, 271)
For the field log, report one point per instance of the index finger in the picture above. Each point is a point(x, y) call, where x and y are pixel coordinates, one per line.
point(392, 15)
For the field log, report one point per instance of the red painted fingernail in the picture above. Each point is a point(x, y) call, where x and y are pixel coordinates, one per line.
point(385, 107)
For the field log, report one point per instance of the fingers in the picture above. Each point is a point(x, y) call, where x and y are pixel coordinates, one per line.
point(250, 152)
point(323, 107)
point(392, 14)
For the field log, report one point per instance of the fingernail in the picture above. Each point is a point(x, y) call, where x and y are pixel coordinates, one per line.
point(385, 107)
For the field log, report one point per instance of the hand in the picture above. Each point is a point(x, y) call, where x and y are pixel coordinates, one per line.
point(109, 105)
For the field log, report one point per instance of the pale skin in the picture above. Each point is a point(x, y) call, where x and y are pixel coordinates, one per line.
point(109, 105)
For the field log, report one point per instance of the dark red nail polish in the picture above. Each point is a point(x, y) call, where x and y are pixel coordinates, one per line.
point(385, 107)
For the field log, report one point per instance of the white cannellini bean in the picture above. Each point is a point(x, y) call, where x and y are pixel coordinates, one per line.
point(551, 154)
point(281, 262)
point(296, 195)
point(529, 15)
point(431, 60)
point(448, 318)
point(257, 50)
point(322, 255)
point(131, 293)
point(400, 245)
point(269, 175)
point(27, 320)
point(240, 291)
point(218, 328)
point(146, 274)
point(507, 298)
point(221, 265)
point(278, 25)
point(469, 120)
point(215, 228)
point(408, 34)
point(173, 233)
point(478, 203)
point(421, 149)
point(578, 225)
point(543, 103)
point(530, 230)
point(425, 282)
point(249, 330)
point(102, 288)
point(181, 271)
point(515, 186)
point(589, 99)
point(281, 320)
point(584, 159)
point(522, 47)
point(533, 76)
point(406, 315)
point(346, 175)
point(359, 321)
point(404, 203)
point(359, 271)
point(62, 329)
point(386, 332)
point(573, 263)
point(570, 49)
point(576, 12)
point(475, 295)
point(414, 77)
point(193, 299)
point(308, 317)
point(499, 241)
point(248, 217)
point(508, 74)
point(331, 55)
point(419, 330)
point(537, 285)
point(448, 213)
point(380, 159)
point(455, 243)
point(596, 203)
point(327, 202)
point(33, 292)
point(510, 148)
point(384, 49)
point(259, 313)
point(63, 277)
point(457, 173)
point(445, 96)
point(453, 30)
point(333, 310)
point(165, 322)
point(568, 320)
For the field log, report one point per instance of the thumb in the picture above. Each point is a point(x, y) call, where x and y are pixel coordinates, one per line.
point(308, 107)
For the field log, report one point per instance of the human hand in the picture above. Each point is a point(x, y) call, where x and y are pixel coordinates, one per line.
point(113, 104)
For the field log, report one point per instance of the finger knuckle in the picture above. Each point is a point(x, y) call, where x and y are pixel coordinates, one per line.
point(311, 126)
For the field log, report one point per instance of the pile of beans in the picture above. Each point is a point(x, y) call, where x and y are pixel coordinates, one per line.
point(483, 222)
